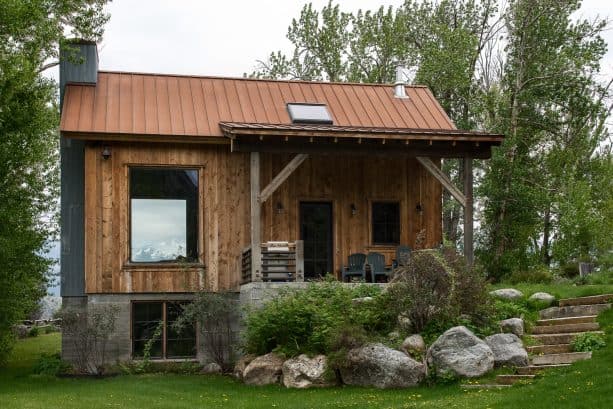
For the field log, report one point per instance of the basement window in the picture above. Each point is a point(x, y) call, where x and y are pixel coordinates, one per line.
point(302, 113)
point(163, 215)
point(386, 223)
point(154, 321)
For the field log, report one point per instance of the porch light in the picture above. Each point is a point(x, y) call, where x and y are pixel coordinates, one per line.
point(419, 208)
point(280, 208)
point(354, 209)
point(106, 152)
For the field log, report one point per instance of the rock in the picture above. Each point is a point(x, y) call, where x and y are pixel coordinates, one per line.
point(211, 368)
point(508, 350)
point(393, 335)
point(507, 293)
point(382, 367)
point(544, 298)
point(513, 325)
point(404, 322)
point(362, 300)
point(304, 372)
point(264, 370)
point(413, 345)
point(460, 353)
point(241, 364)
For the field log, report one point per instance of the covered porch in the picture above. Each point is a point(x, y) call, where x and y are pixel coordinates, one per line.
point(332, 191)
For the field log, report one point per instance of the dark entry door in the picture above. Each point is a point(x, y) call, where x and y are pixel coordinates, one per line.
point(316, 232)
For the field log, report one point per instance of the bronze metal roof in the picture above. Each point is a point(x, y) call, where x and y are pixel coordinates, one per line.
point(171, 105)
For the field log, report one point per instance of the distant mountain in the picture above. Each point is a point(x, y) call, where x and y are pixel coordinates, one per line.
point(159, 251)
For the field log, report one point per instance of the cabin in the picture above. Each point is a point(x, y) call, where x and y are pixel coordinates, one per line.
point(173, 184)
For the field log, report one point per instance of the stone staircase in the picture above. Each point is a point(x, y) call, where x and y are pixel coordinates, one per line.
point(554, 332)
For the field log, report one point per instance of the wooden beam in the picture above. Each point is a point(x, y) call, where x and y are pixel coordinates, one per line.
point(441, 177)
point(282, 176)
point(256, 210)
point(468, 210)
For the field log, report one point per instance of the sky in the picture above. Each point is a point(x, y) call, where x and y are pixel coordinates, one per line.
point(226, 38)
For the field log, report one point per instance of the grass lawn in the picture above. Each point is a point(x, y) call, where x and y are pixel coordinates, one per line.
point(587, 384)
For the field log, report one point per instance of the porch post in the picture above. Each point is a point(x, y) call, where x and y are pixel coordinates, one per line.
point(256, 210)
point(468, 210)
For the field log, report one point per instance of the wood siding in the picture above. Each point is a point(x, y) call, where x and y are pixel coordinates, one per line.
point(224, 210)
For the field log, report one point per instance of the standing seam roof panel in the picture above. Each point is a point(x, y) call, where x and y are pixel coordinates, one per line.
point(131, 103)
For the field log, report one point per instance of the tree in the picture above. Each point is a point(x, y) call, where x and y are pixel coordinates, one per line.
point(30, 33)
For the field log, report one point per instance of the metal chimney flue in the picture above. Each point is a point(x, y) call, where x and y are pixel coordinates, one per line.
point(399, 86)
point(78, 64)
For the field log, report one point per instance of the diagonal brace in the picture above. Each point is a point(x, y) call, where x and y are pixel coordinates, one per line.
point(442, 177)
point(282, 176)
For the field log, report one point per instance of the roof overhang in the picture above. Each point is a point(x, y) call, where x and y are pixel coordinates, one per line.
point(329, 139)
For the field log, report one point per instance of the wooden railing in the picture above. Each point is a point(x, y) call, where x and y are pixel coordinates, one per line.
point(281, 262)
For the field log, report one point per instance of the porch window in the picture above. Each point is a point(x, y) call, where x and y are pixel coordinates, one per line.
point(164, 215)
point(147, 317)
point(386, 223)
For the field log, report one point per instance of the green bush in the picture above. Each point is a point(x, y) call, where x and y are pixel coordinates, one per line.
point(569, 270)
point(537, 275)
point(305, 321)
point(588, 341)
point(34, 332)
point(50, 365)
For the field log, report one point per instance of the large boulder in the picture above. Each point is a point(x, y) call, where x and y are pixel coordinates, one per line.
point(264, 370)
point(513, 326)
point(459, 352)
point(542, 298)
point(507, 294)
point(508, 350)
point(413, 345)
point(382, 367)
point(305, 372)
point(241, 365)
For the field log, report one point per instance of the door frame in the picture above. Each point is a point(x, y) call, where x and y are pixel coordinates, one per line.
point(331, 203)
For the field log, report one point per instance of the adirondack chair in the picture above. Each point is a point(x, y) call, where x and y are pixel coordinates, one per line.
point(355, 267)
point(376, 261)
point(403, 255)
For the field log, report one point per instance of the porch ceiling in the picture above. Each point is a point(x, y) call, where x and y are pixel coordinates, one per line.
point(327, 139)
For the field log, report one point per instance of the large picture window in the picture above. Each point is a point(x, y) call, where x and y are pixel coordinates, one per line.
point(147, 317)
point(164, 215)
point(386, 223)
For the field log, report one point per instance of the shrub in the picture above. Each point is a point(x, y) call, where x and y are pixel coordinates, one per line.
point(537, 275)
point(422, 289)
point(588, 341)
point(50, 365)
point(569, 270)
point(34, 331)
point(216, 314)
point(305, 321)
point(89, 333)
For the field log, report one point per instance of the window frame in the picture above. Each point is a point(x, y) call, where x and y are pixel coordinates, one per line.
point(371, 204)
point(163, 340)
point(198, 261)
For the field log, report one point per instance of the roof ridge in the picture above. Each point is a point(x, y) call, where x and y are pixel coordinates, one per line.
point(254, 79)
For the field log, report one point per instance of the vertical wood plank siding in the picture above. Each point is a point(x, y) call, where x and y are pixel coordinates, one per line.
point(224, 215)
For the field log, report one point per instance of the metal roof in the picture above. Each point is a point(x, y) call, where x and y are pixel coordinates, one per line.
point(170, 105)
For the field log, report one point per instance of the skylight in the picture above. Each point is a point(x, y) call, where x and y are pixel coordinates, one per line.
point(301, 113)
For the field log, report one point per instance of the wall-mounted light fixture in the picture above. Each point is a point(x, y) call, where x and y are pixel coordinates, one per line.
point(106, 152)
point(419, 208)
point(280, 208)
point(354, 210)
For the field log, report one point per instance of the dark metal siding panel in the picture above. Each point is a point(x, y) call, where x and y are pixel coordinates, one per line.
point(72, 234)
point(72, 72)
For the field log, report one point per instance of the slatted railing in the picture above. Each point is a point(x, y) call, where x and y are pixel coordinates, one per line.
point(281, 262)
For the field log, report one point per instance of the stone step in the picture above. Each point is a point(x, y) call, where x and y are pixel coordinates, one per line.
point(555, 339)
point(534, 369)
point(566, 358)
point(573, 311)
point(591, 300)
point(566, 328)
point(512, 379)
point(569, 320)
point(549, 349)
point(483, 386)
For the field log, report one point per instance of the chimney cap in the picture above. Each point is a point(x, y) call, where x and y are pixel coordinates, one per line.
point(399, 85)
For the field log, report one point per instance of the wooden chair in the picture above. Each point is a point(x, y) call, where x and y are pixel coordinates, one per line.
point(376, 261)
point(403, 255)
point(355, 267)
